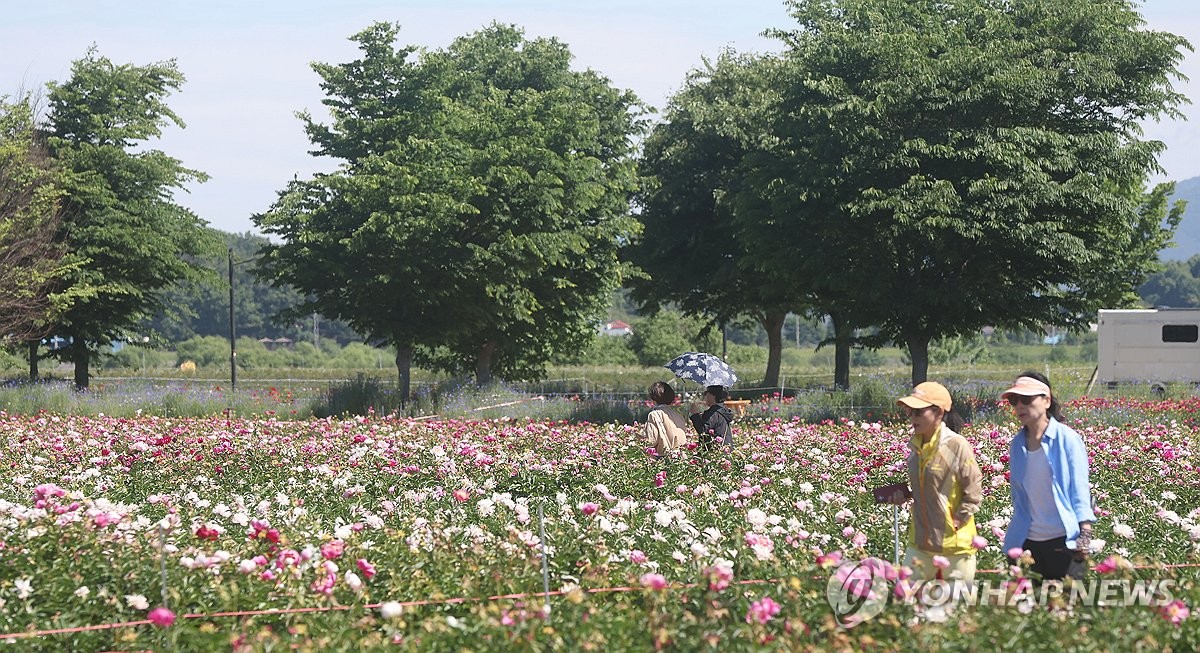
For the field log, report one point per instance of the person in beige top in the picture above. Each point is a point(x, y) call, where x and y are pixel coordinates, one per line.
point(666, 427)
point(946, 485)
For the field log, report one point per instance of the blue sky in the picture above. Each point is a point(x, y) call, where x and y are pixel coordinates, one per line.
point(246, 64)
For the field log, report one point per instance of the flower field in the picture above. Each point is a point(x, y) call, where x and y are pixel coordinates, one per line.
point(372, 533)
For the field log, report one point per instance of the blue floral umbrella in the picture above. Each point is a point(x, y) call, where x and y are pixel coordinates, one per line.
point(704, 369)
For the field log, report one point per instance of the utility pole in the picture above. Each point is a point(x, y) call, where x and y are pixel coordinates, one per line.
point(232, 333)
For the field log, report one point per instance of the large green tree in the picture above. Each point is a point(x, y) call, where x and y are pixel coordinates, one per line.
point(976, 162)
point(694, 249)
point(31, 259)
point(483, 192)
point(120, 214)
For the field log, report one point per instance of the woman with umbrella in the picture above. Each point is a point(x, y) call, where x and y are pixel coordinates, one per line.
point(713, 425)
point(715, 374)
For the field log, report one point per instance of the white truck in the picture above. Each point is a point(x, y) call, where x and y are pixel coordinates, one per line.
point(1155, 346)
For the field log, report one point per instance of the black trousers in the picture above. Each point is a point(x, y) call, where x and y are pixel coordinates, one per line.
point(1054, 561)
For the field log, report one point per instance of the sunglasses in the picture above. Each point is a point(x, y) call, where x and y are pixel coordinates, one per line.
point(910, 411)
point(1024, 400)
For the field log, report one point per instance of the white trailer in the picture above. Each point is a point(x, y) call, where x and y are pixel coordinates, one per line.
point(1149, 345)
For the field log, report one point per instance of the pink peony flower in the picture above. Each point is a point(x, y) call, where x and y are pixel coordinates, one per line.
point(462, 495)
point(588, 508)
point(941, 562)
point(1175, 612)
point(106, 519)
point(333, 550)
point(161, 617)
point(761, 545)
point(1015, 552)
point(1108, 565)
point(858, 579)
point(324, 584)
point(831, 559)
point(638, 557)
point(719, 575)
point(366, 568)
point(762, 610)
point(287, 558)
point(653, 581)
point(979, 542)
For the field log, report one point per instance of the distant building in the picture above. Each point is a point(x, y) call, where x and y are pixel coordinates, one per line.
point(616, 328)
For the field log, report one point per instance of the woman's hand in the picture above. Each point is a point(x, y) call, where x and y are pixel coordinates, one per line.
point(1083, 543)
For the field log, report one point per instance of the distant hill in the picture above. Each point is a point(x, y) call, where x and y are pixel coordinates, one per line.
point(1187, 236)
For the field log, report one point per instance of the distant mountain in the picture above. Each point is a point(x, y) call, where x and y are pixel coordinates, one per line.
point(1187, 236)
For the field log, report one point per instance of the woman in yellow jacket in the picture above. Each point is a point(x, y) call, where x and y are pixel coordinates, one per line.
point(947, 488)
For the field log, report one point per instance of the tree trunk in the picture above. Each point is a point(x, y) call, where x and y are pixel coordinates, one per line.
point(841, 352)
point(483, 365)
point(79, 356)
point(918, 351)
point(33, 361)
point(404, 356)
point(773, 323)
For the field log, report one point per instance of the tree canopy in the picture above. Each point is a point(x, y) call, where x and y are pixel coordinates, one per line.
point(693, 251)
point(32, 261)
point(119, 212)
point(973, 163)
point(481, 199)
point(1177, 285)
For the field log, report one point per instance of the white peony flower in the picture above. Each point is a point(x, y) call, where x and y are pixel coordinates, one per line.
point(486, 507)
point(391, 610)
point(756, 517)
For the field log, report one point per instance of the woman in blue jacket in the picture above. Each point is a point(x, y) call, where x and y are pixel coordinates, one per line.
point(1052, 503)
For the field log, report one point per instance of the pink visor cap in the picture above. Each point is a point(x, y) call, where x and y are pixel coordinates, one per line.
point(1028, 387)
